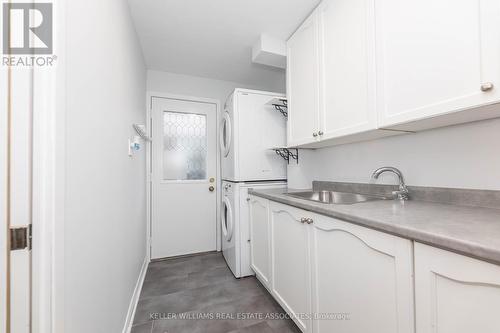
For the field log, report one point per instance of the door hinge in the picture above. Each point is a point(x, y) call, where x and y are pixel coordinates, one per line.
point(20, 238)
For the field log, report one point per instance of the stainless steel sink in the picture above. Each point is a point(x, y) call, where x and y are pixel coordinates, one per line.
point(332, 197)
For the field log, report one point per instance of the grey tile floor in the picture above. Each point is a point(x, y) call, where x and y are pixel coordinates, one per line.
point(203, 285)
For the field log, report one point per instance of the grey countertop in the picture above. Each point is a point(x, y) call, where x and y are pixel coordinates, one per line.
point(472, 231)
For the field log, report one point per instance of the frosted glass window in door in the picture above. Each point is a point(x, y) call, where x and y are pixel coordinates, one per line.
point(184, 146)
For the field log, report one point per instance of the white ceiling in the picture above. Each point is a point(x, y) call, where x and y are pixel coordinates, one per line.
point(214, 38)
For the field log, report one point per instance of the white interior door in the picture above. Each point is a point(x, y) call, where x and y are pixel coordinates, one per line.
point(3, 199)
point(15, 200)
point(184, 168)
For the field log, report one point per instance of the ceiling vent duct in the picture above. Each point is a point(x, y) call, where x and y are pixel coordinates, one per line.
point(269, 51)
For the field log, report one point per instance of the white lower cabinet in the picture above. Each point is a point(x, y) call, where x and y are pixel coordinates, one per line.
point(454, 293)
point(291, 273)
point(260, 246)
point(361, 277)
point(333, 276)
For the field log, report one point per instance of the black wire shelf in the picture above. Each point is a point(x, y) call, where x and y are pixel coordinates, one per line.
point(288, 154)
point(282, 107)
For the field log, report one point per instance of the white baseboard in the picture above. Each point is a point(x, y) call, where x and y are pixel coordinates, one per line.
point(129, 320)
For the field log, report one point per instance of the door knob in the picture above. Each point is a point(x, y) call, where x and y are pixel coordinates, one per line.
point(211, 188)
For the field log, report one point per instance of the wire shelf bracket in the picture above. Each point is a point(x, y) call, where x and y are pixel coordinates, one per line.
point(288, 154)
point(281, 105)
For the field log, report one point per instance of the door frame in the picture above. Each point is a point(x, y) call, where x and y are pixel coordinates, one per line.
point(218, 184)
point(48, 132)
point(4, 252)
point(49, 126)
point(48, 188)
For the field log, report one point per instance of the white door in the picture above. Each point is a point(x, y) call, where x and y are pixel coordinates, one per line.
point(454, 293)
point(260, 242)
point(433, 57)
point(16, 151)
point(363, 276)
point(291, 274)
point(302, 84)
point(3, 199)
point(184, 167)
point(347, 63)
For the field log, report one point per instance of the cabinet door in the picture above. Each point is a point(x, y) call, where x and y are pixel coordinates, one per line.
point(302, 84)
point(260, 251)
point(363, 277)
point(434, 56)
point(291, 282)
point(347, 67)
point(455, 294)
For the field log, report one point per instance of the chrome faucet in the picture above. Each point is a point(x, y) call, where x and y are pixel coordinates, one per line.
point(403, 193)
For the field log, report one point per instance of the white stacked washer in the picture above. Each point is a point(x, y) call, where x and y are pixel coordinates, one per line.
point(235, 224)
point(251, 127)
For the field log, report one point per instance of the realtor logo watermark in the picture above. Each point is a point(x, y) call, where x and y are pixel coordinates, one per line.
point(27, 31)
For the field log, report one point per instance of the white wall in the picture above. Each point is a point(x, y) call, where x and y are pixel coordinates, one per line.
point(105, 222)
point(200, 87)
point(463, 156)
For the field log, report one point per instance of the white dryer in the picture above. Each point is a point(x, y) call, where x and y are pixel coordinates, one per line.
point(236, 226)
point(250, 128)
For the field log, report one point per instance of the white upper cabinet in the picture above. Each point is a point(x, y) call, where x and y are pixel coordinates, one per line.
point(331, 76)
point(347, 67)
point(364, 69)
point(302, 83)
point(364, 276)
point(435, 58)
point(455, 294)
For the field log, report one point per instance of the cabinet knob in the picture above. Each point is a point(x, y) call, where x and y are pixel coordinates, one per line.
point(309, 221)
point(303, 220)
point(487, 86)
point(320, 133)
point(315, 134)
